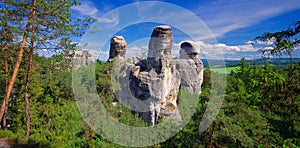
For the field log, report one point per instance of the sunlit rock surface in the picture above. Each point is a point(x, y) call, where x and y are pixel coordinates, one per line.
point(117, 48)
point(150, 86)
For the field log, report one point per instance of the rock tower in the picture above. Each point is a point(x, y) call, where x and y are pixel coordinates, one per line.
point(151, 86)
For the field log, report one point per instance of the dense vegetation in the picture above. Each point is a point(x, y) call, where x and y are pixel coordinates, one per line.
point(261, 108)
point(278, 62)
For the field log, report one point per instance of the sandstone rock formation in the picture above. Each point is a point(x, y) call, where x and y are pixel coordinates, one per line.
point(160, 43)
point(190, 67)
point(157, 81)
point(82, 58)
point(150, 86)
point(117, 47)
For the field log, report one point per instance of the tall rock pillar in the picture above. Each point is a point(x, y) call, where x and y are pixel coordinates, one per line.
point(117, 48)
point(156, 79)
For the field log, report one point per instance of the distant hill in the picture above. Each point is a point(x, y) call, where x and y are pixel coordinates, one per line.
point(278, 62)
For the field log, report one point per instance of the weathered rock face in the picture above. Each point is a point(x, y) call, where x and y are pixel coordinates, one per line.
point(117, 48)
point(156, 79)
point(190, 51)
point(150, 86)
point(81, 58)
point(160, 43)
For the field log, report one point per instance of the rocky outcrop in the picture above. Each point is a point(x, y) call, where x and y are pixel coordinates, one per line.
point(160, 43)
point(117, 48)
point(190, 49)
point(190, 67)
point(82, 58)
point(157, 81)
point(150, 86)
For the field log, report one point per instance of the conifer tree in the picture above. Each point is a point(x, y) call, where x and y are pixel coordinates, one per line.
point(49, 25)
point(281, 42)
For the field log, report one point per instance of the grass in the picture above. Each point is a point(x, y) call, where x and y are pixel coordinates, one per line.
point(224, 69)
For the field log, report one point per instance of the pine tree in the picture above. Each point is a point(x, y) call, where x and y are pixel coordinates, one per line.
point(19, 59)
point(283, 42)
point(49, 25)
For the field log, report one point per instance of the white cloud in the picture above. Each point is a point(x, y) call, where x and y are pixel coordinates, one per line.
point(210, 51)
point(136, 51)
point(86, 9)
point(227, 51)
point(223, 16)
point(98, 54)
point(44, 50)
point(267, 42)
point(220, 16)
point(221, 50)
point(101, 55)
point(112, 19)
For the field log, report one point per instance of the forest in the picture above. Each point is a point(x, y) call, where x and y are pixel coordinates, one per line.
point(261, 106)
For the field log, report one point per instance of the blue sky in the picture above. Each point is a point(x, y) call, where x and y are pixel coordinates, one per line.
point(223, 28)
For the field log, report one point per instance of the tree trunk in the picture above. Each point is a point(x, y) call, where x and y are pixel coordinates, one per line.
point(291, 57)
point(293, 111)
point(26, 97)
point(19, 59)
point(211, 137)
point(5, 29)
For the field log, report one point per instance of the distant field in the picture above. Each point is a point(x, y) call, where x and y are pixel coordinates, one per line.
point(277, 62)
point(224, 69)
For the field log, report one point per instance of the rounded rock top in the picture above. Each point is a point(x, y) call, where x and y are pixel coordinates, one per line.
point(162, 30)
point(190, 47)
point(118, 38)
point(164, 27)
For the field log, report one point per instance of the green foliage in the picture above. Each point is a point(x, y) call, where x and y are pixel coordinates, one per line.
point(104, 88)
point(55, 118)
point(283, 42)
point(6, 134)
point(261, 108)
